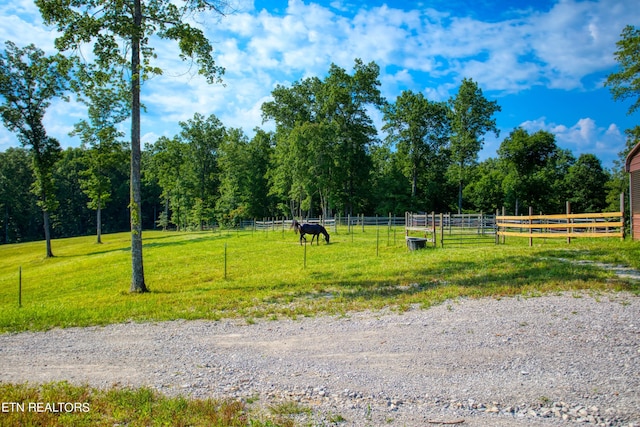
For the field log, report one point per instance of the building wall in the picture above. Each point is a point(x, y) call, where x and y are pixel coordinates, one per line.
point(635, 201)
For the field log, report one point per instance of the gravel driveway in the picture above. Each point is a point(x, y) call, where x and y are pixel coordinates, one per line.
point(539, 361)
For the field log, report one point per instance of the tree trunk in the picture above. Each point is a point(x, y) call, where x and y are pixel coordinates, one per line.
point(414, 182)
point(137, 276)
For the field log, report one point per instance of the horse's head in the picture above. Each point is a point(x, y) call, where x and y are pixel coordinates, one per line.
point(295, 225)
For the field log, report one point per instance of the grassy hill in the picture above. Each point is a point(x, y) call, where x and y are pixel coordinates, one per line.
point(266, 277)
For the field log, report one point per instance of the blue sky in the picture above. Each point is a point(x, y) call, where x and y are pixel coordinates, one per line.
point(543, 61)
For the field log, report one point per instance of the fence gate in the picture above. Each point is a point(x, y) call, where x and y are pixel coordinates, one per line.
point(453, 229)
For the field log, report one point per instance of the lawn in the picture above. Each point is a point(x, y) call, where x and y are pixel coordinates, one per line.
point(251, 275)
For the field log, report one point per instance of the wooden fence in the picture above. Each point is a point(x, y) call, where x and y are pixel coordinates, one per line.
point(603, 224)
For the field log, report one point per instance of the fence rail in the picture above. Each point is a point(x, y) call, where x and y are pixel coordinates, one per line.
point(602, 224)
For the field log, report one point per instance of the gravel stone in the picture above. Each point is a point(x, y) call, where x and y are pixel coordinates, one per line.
point(538, 361)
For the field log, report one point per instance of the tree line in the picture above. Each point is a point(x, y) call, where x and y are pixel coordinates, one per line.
point(324, 158)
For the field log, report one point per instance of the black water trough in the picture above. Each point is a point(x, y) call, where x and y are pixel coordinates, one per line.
point(415, 243)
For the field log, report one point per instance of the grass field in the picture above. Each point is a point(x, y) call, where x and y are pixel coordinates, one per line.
point(269, 275)
point(255, 275)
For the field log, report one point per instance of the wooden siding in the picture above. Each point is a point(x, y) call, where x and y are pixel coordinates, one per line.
point(635, 203)
point(634, 164)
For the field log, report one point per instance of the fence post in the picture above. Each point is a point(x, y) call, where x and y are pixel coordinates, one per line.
point(442, 230)
point(20, 287)
point(497, 229)
point(225, 261)
point(569, 230)
point(622, 215)
point(530, 226)
point(503, 236)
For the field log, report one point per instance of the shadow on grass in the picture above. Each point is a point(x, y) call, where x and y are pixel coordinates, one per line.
point(486, 277)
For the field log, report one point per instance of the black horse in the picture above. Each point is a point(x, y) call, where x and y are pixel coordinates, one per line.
point(314, 229)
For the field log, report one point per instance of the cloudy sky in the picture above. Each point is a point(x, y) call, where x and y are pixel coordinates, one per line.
point(544, 61)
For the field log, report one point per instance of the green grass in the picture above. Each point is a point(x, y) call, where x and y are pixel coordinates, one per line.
point(88, 284)
point(79, 406)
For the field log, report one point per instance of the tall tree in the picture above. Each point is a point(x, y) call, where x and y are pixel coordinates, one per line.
point(625, 83)
point(419, 129)
point(471, 118)
point(311, 111)
point(202, 138)
point(29, 80)
point(345, 100)
point(292, 107)
point(260, 151)
point(587, 181)
point(107, 106)
point(169, 166)
point(485, 192)
point(232, 203)
point(117, 29)
point(525, 157)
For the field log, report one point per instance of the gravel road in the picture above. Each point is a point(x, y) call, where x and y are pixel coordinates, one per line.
point(540, 361)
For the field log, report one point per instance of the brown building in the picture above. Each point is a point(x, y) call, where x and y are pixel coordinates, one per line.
point(632, 165)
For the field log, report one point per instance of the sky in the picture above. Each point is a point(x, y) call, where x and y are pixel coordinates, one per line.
point(543, 61)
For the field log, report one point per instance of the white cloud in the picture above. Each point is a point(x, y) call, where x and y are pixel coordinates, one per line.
point(577, 38)
point(585, 136)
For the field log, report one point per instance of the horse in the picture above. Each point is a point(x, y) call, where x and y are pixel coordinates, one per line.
point(314, 229)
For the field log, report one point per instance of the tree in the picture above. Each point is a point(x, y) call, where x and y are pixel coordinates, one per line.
point(260, 151)
point(419, 129)
point(29, 80)
point(344, 101)
point(202, 138)
point(17, 202)
point(485, 192)
point(107, 106)
point(232, 204)
point(390, 191)
point(117, 29)
point(72, 217)
point(169, 166)
point(525, 157)
point(471, 117)
point(587, 181)
point(291, 107)
point(626, 82)
point(328, 120)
